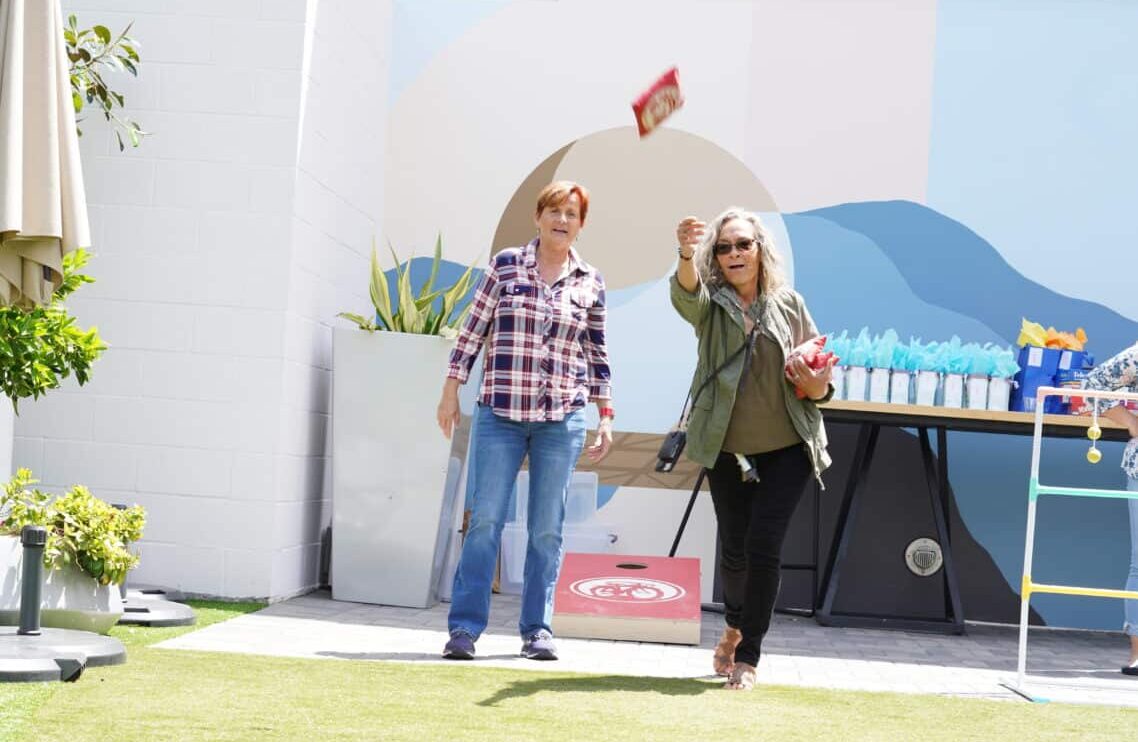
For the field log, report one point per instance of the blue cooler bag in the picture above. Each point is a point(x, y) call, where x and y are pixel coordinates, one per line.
point(1037, 367)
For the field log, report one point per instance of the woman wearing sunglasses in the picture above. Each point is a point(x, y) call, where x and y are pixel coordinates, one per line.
point(758, 440)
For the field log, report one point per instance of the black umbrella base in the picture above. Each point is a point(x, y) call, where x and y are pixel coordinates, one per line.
point(155, 612)
point(55, 654)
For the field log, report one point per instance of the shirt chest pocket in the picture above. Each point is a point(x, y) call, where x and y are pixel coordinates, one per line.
point(518, 295)
point(519, 308)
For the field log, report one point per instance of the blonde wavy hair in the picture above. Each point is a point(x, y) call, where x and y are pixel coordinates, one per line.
point(771, 276)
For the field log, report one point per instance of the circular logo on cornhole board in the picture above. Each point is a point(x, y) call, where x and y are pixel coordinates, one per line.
point(627, 590)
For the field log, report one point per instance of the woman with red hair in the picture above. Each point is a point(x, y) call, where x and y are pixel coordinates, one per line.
point(539, 317)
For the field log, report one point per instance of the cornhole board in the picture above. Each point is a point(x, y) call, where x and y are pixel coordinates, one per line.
point(634, 598)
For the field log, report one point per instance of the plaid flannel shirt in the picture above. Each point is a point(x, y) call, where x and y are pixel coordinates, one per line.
point(545, 345)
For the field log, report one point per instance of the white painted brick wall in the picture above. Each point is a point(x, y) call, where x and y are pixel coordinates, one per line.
point(224, 247)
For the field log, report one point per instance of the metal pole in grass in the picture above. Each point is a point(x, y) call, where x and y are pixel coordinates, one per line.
point(1029, 542)
point(33, 539)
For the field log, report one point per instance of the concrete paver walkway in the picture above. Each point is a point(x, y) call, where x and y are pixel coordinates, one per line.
point(1074, 666)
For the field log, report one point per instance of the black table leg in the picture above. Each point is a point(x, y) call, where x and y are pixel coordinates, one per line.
point(937, 479)
point(863, 456)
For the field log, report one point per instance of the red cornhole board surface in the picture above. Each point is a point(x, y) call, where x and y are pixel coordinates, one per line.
point(636, 598)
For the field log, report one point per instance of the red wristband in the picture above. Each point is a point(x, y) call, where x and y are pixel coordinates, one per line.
point(607, 412)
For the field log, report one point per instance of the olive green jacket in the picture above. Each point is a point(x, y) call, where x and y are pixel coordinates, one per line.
point(718, 320)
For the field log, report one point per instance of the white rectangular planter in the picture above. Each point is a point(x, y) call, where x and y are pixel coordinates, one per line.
point(394, 482)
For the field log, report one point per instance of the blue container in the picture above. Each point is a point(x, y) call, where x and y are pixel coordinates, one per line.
point(1037, 367)
point(1073, 366)
point(1073, 378)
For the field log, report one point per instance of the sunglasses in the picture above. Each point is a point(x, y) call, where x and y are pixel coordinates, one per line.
point(744, 245)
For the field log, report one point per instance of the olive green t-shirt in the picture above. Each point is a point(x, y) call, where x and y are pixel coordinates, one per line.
point(759, 420)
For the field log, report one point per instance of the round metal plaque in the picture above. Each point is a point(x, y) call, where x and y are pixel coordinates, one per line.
point(923, 557)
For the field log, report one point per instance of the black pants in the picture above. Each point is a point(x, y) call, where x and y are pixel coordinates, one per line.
point(753, 518)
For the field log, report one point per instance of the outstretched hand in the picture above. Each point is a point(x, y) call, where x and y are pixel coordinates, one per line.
point(448, 413)
point(603, 442)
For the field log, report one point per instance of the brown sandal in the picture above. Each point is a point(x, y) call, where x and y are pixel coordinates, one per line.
point(724, 658)
point(743, 677)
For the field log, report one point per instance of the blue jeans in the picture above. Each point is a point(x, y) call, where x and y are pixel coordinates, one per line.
point(499, 445)
point(1130, 628)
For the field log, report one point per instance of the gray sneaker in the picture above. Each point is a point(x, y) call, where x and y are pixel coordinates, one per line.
point(460, 647)
point(539, 646)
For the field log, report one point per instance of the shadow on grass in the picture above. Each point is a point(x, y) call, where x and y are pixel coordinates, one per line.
point(417, 657)
point(603, 684)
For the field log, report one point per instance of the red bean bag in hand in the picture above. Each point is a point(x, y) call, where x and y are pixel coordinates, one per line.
point(811, 352)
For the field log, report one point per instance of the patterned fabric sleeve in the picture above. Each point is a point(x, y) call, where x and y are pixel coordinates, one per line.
point(1119, 373)
point(596, 350)
point(473, 332)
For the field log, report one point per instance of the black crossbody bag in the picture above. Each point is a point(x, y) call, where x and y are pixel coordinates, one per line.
point(677, 437)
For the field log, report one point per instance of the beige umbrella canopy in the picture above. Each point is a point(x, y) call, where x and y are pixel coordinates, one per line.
point(43, 210)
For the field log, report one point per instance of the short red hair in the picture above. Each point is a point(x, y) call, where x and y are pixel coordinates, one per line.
point(558, 192)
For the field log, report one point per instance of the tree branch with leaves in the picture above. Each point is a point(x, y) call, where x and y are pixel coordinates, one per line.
point(90, 51)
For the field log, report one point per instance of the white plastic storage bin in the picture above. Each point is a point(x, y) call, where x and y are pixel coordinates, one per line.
point(580, 502)
point(579, 538)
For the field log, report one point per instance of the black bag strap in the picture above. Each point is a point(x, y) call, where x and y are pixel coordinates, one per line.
point(747, 348)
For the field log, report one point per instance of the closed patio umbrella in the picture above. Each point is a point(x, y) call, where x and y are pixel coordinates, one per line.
point(43, 209)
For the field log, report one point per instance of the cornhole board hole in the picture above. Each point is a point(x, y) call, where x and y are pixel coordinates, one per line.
point(634, 598)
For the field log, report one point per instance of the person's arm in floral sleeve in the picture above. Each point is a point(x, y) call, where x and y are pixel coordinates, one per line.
point(1118, 372)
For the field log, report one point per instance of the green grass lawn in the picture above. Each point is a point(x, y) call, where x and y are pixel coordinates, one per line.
point(178, 695)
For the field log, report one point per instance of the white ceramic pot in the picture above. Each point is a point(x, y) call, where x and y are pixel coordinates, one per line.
point(71, 598)
point(977, 392)
point(954, 390)
point(999, 394)
point(856, 378)
point(899, 387)
point(839, 382)
point(879, 385)
point(928, 383)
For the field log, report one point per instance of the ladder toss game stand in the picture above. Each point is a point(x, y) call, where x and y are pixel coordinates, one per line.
point(1034, 490)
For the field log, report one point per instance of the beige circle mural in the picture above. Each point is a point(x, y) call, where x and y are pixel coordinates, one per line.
point(640, 189)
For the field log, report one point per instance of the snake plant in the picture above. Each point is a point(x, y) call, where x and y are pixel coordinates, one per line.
point(420, 315)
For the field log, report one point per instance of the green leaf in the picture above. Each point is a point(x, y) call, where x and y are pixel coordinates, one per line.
point(424, 302)
point(380, 293)
point(412, 318)
point(430, 285)
point(363, 322)
point(103, 33)
point(459, 290)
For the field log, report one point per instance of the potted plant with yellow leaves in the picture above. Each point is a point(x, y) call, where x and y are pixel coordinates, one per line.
point(86, 558)
point(394, 480)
